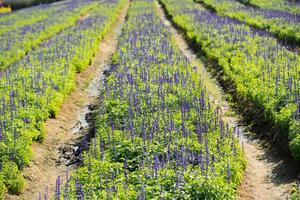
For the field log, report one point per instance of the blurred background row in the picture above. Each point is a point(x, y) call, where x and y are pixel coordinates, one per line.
point(8, 5)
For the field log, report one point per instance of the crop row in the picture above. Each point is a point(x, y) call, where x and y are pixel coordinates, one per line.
point(14, 44)
point(34, 88)
point(283, 5)
point(282, 24)
point(158, 135)
point(261, 70)
point(11, 21)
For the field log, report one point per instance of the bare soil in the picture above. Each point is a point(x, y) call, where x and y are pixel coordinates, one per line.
point(50, 158)
point(269, 175)
point(84, 16)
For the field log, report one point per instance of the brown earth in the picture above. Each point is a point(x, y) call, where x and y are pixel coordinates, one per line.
point(83, 17)
point(46, 165)
point(270, 175)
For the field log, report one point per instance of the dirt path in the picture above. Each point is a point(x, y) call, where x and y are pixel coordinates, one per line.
point(268, 175)
point(51, 157)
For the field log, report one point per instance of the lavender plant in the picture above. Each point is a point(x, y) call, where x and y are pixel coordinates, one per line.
point(158, 136)
point(281, 23)
point(262, 70)
point(34, 88)
point(16, 43)
point(281, 5)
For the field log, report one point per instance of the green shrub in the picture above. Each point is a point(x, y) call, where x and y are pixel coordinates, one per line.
point(12, 178)
point(295, 147)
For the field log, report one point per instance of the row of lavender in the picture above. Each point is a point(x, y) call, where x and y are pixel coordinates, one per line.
point(11, 21)
point(35, 87)
point(282, 24)
point(260, 69)
point(292, 6)
point(157, 133)
point(15, 43)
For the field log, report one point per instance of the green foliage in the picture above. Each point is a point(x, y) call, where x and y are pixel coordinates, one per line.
point(283, 28)
point(2, 189)
point(211, 189)
point(295, 146)
point(13, 180)
point(248, 62)
point(280, 5)
point(295, 193)
point(56, 19)
point(142, 121)
point(38, 84)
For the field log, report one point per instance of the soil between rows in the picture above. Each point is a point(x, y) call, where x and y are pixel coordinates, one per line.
point(56, 156)
point(269, 175)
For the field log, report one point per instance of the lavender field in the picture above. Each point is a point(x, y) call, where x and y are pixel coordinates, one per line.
point(150, 99)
